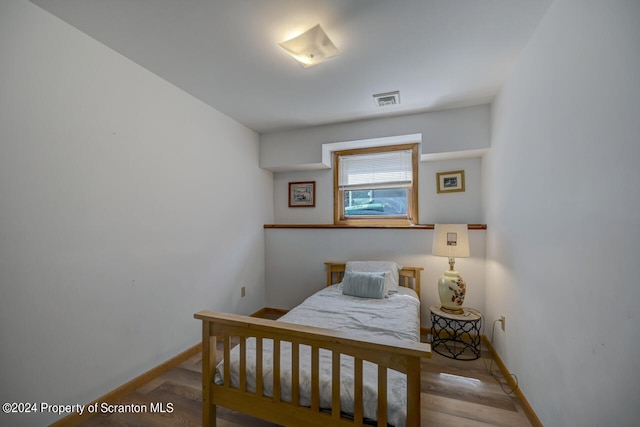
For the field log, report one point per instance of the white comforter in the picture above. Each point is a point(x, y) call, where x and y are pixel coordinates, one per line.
point(392, 318)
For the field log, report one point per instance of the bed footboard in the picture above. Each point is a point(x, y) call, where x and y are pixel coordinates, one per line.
point(223, 327)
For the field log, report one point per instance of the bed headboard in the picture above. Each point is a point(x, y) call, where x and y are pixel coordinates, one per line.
point(409, 276)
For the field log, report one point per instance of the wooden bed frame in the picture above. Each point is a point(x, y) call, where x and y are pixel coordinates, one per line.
point(223, 327)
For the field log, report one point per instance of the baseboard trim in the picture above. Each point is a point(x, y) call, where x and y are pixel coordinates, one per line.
point(126, 389)
point(526, 407)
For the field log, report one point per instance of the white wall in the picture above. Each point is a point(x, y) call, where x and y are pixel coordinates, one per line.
point(451, 131)
point(462, 207)
point(446, 131)
point(562, 203)
point(117, 217)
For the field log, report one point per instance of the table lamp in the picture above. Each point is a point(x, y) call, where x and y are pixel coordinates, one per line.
point(451, 240)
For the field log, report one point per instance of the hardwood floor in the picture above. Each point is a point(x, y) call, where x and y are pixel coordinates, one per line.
point(453, 393)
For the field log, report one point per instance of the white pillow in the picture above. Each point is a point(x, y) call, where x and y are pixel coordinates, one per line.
point(391, 278)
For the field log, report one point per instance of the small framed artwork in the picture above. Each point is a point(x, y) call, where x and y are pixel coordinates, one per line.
point(302, 194)
point(450, 182)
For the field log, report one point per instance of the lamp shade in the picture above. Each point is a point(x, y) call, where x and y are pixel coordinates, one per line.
point(451, 240)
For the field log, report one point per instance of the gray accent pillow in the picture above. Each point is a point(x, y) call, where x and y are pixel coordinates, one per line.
point(363, 284)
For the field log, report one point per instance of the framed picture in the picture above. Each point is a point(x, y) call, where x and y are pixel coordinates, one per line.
point(450, 182)
point(302, 194)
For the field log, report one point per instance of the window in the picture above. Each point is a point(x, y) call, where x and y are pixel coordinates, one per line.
point(376, 186)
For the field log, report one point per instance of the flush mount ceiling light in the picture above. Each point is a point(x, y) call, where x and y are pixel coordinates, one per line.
point(311, 47)
point(387, 98)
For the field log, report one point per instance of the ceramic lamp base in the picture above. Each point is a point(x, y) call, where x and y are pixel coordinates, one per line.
point(451, 289)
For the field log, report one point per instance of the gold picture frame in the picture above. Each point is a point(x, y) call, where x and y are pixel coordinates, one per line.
point(302, 194)
point(450, 182)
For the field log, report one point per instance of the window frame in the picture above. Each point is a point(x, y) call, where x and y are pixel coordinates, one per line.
point(411, 217)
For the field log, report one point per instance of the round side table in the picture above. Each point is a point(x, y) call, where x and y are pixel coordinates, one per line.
point(456, 336)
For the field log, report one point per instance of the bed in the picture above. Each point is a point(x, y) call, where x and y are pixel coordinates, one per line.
point(292, 372)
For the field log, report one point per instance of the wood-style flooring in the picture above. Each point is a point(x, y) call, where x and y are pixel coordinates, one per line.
point(454, 393)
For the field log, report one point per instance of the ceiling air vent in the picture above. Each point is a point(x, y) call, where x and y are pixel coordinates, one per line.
point(387, 98)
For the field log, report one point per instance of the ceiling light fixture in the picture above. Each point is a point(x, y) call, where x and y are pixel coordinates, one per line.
point(311, 47)
point(387, 98)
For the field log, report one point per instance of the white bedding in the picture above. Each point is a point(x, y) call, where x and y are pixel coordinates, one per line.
point(392, 318)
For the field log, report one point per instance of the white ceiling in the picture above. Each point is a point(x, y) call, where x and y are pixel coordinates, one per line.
point(438, 53)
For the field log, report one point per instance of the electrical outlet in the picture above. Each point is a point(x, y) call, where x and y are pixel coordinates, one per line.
point(502, 321)
point(243, 292)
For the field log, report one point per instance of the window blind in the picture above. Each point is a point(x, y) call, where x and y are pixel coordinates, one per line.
point(375, 170)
